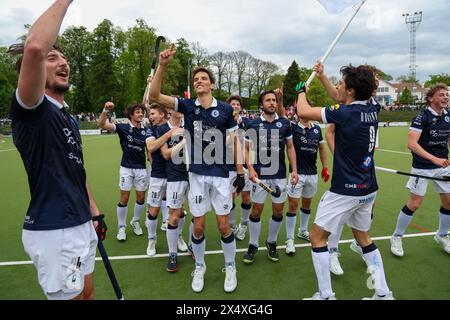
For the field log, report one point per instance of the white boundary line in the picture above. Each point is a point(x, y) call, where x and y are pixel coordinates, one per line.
point(20, 263)
point(392, 151)
point(7, 150)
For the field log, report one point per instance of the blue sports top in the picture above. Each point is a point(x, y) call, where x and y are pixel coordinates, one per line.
point(132, 141)
point(306, 144)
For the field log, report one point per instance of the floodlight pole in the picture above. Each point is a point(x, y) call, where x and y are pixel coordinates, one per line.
point(413, 21)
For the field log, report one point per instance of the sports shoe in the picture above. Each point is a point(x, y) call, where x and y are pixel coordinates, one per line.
point(249, 257)
point(121, 235)
point(164, 226)
point(136, 228)
point(317, 296)
point(241, 231)
point(172, 264)
point(335, 266)
point(230, 283)
point(290, 247)
point(198, 278)
point(396, 246)
point(355, 247)
point(443, 241)
point(272, 251)
point(389, 296)
point(151, 248)
point(182, 246)
point(303, 234)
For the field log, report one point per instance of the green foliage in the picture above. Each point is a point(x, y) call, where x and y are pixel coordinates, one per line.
point(406, 97)
point(438, 78)
point(292, 78)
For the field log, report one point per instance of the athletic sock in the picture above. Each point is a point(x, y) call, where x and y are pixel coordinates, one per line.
point(333, 239)
point(151, 224)
point(138, 211)
point(374, 262)
point(191, 231)
point(403, 221)
point(245, 213)
point(444, 222)
point(304, 219)
point(164, 210)
point(291, 221)
point(321, 261)
point(254, 231)
point(274, 229)
point(198, 247)
point(172, 238)
point(181, 223)
point(229, 249)
point(232, 217)
point(122, 212)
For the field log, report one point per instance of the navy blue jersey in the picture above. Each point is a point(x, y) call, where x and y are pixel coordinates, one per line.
point(207, 130)
point(158, 161)
point(132, 141)
point(435, 130)
point(175, 172)
point(306, 144)
point(49, 143)
point(269, 138)
point(242, 127)
point(355, 139)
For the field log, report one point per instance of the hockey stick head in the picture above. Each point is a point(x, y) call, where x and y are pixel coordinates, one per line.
point(156, 52)
point(277, 192)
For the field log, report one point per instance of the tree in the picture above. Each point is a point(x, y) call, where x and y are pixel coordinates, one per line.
point(407, 79)
point(200, 55)
point(8, 80)
point(406, 97)
point(183, 56)
point(240, 60)
point(219, 62)
point(437, 78)
point(290, 81)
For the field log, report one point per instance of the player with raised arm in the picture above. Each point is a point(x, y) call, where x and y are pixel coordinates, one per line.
point(132, 137)
point(268, 136)
point(207, 122)
point(428, 141)
point(58, 233)
point(354, 184)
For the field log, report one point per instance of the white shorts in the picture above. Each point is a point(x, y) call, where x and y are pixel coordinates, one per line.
point(259, 195)
point(176, 193)
point(130, 178)
point(306, 187)
point(419, 186)
point(156, 192)
point(335, 209)
point(207, 192)
point(248, 182)
point(56, 254)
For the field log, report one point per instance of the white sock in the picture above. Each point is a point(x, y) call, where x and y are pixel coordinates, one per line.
point(181, 223)
point(232, 217)
point(274, 228)
point(403, 221)
point(199, 250)
point(172, 239)
point(122, 216)
point(245, 214)
point(229, 250)
point(291, 221)
point(191, 232)
point(333, 239)
point(375, 264)
point(254, 231)
point(164, 210)
point(321, 261)
point(137, 211)
point(304, 219)
point(151, 227)
point(444, 223)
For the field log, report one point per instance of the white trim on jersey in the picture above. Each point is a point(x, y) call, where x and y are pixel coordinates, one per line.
point(24, 106)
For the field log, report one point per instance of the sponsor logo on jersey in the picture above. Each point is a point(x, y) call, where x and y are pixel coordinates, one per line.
point(334, 107)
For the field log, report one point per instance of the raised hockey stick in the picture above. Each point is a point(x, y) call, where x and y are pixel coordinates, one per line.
point(155, 59)
point(445, 178)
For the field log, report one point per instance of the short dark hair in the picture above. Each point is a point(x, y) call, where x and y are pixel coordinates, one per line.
point(435, 88)
point(234, 97)
point(264, 94)
point(131, 109)
point(19, 48)
point(361, 79)
point(159, 108)
point(205, 70)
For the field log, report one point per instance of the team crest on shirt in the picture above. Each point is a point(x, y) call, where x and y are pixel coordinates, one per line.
point(197, 111)
point(334, 107)
point(215, 113)
point(130, 130)
point(143, 132)
point(261, 125)
point(316, 131)
point(447, 119)
point(279, 125)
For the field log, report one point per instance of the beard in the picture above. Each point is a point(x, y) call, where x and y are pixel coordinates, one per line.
point(269, 111)
point(57, 87)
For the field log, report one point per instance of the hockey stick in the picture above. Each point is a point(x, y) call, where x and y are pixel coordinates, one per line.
point(276, 193)
point(445, 178)
point(154, 62)
point(336, 40)
point(109, 270)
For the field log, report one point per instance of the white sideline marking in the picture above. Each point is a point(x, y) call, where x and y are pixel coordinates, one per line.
point(392, 151)
point(7, 150)
point(20, 263)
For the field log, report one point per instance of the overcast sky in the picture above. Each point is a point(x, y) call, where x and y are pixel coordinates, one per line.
point(274, 30)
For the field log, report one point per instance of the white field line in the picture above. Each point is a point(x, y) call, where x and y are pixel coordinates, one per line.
point(415, 235)
point(7, 150)
point(393, 151)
